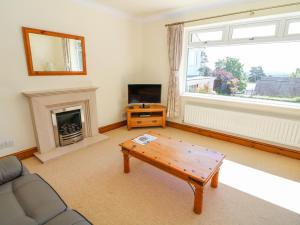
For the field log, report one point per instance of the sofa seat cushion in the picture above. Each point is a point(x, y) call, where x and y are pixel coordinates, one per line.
point(29, 197)
point(68, 217)
point(11, 212)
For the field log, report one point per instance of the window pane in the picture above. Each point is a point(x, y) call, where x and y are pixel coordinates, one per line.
point(252, 32)
point(294, 28)
point(193, 61)
point(207, 36)
point(247, 71)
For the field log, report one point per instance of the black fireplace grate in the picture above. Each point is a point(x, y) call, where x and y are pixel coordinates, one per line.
point(69, 125)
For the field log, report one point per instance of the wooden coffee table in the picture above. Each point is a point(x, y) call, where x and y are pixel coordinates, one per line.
point(194, 164)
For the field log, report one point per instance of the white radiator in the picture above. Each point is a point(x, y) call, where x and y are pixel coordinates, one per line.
point(271, 129)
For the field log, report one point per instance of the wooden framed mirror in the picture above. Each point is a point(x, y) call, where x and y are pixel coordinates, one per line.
point(51, 53)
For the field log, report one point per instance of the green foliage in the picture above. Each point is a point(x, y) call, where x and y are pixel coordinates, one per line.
point(242, 84)
point(236, 68)
point(295, 74)
point(204, 70)
point(231, 65)
point(204, 58)
point(256, 73)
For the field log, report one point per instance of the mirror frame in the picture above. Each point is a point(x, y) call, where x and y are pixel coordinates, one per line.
point(31, 72)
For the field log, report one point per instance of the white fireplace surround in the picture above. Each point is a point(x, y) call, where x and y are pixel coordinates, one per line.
point(42, 103)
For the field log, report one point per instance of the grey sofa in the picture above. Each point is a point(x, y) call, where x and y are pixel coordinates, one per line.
point(26, 199)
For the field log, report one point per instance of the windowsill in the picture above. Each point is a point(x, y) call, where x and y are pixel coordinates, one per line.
point(250, 103)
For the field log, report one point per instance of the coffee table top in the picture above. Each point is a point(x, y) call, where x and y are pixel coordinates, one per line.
point(185, 160)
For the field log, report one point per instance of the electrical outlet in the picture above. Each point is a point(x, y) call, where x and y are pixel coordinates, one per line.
point(6, 143)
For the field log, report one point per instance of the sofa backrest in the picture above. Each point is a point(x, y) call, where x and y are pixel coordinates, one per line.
point(10, 168)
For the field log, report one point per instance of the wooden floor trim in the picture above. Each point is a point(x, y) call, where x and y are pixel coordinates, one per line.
point(26, 153)
point(112, 126)
point(237, 140)
point(213, 134)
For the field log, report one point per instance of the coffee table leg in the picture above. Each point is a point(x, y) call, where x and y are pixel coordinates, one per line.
point(215, 180)
point(126, 162)
point(198, 199)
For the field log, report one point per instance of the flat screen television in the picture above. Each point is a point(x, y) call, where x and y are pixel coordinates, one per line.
point(144, 93)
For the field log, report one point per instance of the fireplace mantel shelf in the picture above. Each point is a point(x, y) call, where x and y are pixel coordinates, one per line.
point(48, 92)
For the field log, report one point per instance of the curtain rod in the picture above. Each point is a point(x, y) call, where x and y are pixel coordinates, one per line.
point(235, 13)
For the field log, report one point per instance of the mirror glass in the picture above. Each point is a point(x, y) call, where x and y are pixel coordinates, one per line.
point(51, 53)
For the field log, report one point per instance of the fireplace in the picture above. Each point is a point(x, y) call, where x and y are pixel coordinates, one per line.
point(64, 120)
point(68, 125)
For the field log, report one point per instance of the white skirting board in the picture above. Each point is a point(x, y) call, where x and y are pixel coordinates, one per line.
point(275, 130)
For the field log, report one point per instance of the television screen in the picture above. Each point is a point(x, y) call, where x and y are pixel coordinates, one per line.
point(144, 93)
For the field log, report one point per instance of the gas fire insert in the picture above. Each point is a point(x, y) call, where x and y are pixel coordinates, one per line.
point(68, 125)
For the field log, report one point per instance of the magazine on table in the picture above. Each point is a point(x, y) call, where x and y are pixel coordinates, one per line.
point(144, 139)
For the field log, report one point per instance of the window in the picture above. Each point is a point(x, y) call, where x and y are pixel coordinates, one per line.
point(207, 36)
point(251, 32)
point(254, 61)
point(293, 27)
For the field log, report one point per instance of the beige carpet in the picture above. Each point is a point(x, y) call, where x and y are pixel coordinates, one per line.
point(256, 187)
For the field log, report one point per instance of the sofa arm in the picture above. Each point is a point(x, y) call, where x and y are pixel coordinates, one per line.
point(10, 168)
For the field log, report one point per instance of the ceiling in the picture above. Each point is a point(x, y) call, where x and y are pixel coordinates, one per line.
point(148, 8)
point(151, 7)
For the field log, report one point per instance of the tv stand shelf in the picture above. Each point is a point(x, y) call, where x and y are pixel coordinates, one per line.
point(154, 115)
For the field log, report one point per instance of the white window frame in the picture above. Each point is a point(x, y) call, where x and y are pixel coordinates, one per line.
point(281, 35)
point(224, 31)
point(287, 26)
point(255, 39)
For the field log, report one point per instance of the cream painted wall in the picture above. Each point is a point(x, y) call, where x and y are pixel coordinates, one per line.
point(113, 58)
point(155, 58)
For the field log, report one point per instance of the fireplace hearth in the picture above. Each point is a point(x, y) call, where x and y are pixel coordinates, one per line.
point(68, 125)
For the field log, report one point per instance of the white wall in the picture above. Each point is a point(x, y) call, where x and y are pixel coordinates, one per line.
point(155, 58)
point(112, 52)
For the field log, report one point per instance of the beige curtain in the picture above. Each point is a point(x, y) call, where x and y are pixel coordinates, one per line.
point(67, 55)
point(175, 36)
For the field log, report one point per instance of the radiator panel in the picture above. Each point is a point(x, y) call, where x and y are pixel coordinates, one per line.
point(272, 129)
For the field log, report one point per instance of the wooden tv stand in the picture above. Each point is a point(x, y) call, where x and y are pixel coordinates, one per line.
point(153, 115)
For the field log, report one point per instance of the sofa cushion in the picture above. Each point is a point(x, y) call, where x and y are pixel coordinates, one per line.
point(10, 168)
point(37, 198)
point(11, 212)
point(68, 217)
point(28, 200)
